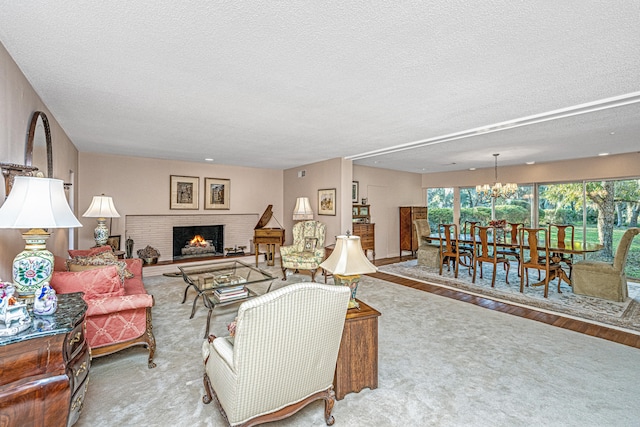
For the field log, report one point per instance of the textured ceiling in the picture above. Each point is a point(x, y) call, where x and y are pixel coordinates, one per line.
point(282, 84)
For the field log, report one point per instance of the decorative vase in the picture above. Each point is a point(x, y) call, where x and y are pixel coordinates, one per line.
point(129, 247)
point(32, 267)
point(45, 301)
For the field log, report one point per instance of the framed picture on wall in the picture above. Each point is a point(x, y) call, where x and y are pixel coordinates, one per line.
point(327, 201)
point(114, 242)
point(216, 193)
point(354, 191)
point(184, 192)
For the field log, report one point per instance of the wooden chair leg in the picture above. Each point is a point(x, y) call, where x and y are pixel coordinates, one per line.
point(493, 279)
point(457, 264)
point(507, 267)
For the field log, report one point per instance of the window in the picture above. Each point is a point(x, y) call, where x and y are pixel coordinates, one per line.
point(439, 206)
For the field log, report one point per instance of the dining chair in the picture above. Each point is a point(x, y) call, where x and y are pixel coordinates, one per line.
point(486, 251)
point(564, 232)
point(536, 242)
point(468, 230)
point(450, 250)
point(511, 239)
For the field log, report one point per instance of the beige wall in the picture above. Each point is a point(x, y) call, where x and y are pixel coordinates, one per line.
point(387, 190)
point(321, 175)
point(19, 101)
point(140, 186)
point(617, 166)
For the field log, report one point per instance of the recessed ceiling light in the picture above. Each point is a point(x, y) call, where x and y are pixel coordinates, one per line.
point(472, 169)
point(612, 133)
point(531, 163)
point(208, 160)
point(603, 154)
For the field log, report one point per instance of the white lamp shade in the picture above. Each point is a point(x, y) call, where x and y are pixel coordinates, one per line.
point(302, 210)
point(101, 207)
point(348, 258)
point(37, 203)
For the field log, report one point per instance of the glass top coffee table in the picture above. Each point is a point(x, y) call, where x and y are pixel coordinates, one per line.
point(222, 283)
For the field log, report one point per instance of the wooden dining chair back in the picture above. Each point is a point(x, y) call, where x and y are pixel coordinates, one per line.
point(450, 251)
point(535, 241)
point(468, 230)
point(486, 250)
point(564, 233)
point(511, 239)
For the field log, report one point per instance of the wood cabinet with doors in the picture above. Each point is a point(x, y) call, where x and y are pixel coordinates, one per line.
point(408, 239)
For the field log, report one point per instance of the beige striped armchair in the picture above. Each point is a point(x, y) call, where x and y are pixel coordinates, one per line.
point(282, 357)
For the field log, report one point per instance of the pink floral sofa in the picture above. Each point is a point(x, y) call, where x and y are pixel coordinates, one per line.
point(119, 307)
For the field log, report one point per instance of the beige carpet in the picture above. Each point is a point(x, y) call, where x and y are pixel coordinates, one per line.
point(623, 315)
point(441, 363)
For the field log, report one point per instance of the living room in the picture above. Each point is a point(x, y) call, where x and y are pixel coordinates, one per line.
point(412, 324)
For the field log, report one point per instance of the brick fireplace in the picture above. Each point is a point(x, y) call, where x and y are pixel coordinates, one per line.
point(157, 230)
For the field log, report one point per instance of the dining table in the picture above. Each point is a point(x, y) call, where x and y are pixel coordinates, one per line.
point(555, 248)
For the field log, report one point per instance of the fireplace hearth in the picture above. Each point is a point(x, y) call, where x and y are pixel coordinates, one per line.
point(198, 241)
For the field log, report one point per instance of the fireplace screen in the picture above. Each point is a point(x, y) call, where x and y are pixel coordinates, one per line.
point(198, 240)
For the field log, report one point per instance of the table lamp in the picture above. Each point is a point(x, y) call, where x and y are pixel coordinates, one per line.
point(102, 208)
point(302, 210)
point(37, 204)
point(347, 262)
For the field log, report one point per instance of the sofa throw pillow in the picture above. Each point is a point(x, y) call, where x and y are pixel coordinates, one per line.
point(100, 260)
point(89, 252)
point(96, 283)
point(310, 244)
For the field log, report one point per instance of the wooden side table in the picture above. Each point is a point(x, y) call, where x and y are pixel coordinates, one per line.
point(357, 365)
point(328, 250)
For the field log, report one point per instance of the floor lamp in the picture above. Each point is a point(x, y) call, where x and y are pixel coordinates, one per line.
point(302, 210)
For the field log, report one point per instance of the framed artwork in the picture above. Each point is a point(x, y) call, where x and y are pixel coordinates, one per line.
point(114, 242)
point(184, 192)
point(327, 201)
point(354, 191)
point(216, 193)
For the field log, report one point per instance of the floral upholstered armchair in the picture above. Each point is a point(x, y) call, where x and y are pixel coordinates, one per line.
point(307, 250)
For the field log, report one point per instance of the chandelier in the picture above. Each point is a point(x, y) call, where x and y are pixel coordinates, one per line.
point(497, 189)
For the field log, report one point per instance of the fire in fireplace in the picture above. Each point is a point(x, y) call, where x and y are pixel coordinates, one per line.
point(198, 246)
point(198, 240)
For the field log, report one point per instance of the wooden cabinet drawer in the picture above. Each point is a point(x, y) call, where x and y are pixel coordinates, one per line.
point(74, 341)
point(79, 368)
point(77, 402)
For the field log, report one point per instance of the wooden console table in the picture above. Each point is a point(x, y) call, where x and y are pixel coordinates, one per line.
point(357, 365)
point(44, 370)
